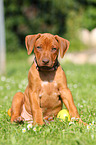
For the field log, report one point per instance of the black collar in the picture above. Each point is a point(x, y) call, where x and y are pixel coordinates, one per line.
point(56, 64)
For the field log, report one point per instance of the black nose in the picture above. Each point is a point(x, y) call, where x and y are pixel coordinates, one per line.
point(45, 61)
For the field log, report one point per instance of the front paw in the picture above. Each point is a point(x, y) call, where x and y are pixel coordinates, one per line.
point(38, 122)
point(18, 119)
point(81, 122)
point(78, 120)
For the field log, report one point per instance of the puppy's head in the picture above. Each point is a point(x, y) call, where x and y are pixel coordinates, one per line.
point(46, 48)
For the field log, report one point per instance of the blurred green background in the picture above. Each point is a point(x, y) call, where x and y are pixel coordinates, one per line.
point(61, 17)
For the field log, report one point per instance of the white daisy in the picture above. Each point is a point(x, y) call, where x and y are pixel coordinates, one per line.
point(3, 78)
point(34, 128)
point(71, 122)
point(88, 127)
point(90, 124)
point(73, 118)
point(93, 122)
point(23, 130)
point(29, 126)
point(92, 136)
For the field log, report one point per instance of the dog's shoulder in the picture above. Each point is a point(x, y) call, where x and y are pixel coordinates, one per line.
point(60, 76)
point(60, 72)
point(33, 72)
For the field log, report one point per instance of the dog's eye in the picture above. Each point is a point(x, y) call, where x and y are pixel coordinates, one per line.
point(54, 49)
point(39, 48)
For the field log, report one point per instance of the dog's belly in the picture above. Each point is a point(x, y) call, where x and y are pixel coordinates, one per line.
point(50, 107)
point(49, 98)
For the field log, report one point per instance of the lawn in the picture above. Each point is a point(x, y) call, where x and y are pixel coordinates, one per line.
point(82, 83)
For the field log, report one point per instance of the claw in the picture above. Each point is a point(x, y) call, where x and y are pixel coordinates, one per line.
point(19, 119)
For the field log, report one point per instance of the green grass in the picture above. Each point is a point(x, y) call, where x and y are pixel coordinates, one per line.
point(82, 83)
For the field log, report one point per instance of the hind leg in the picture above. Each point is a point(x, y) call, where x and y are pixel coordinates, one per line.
point(16, 108)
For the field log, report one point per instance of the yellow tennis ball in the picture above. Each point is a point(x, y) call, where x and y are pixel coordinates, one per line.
point(64, 115)
point(9, 112)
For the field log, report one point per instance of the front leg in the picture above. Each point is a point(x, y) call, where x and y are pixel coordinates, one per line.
point(66, 95)
point(35, 107)
point(69, 103)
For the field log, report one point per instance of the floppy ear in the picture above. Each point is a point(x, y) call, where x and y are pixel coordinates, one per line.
point(30, 41)
point(63, 45)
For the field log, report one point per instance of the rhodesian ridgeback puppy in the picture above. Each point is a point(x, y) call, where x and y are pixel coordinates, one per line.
point(47, 86)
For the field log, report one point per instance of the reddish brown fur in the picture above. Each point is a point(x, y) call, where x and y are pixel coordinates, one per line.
point(45, 88)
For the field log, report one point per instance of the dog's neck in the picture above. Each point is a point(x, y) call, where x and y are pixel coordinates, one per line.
point(55, 66)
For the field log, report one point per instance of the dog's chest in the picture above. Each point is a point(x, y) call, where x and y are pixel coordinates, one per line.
point(49, 94)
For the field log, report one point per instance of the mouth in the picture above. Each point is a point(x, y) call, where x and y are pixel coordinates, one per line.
point(46, 67)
